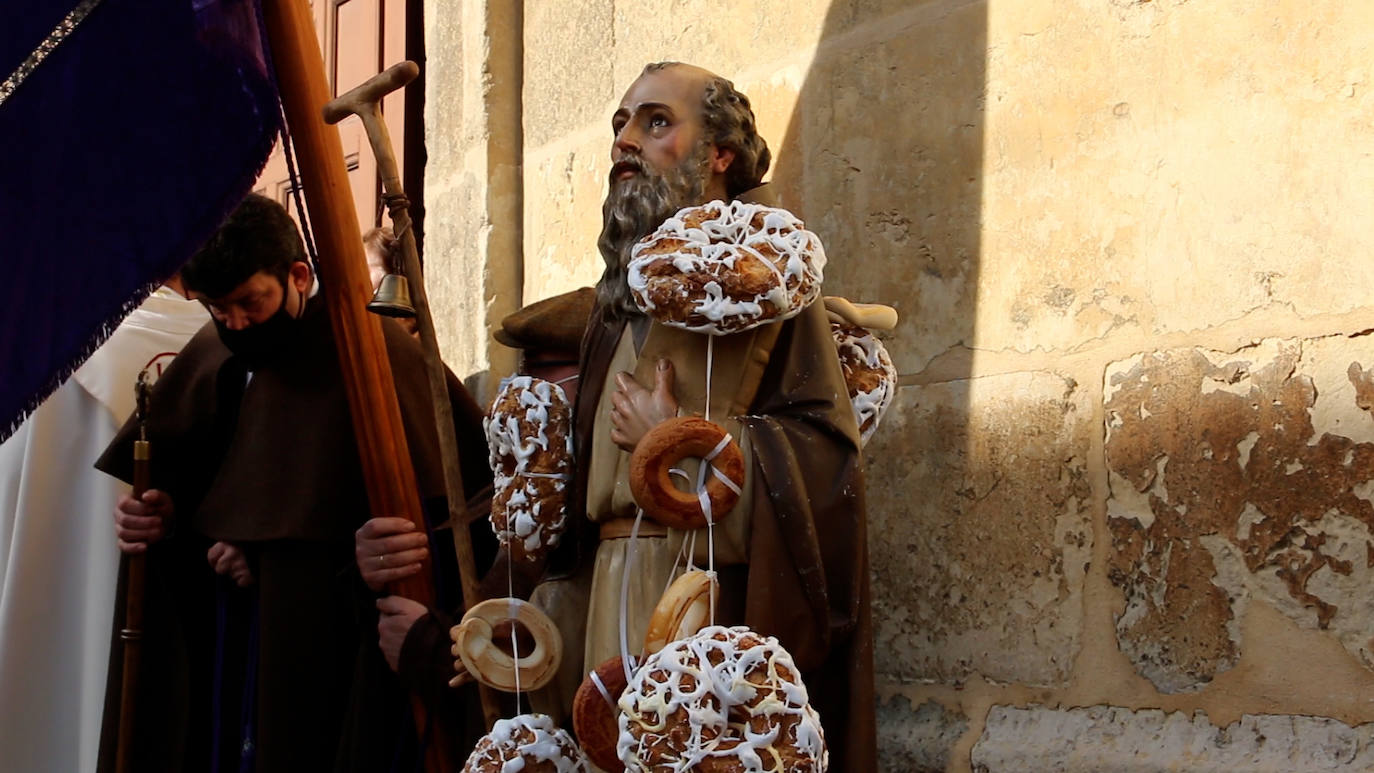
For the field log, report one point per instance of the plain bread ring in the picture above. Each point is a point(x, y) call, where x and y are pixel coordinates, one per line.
point(684, 609)
point(596, 720)
point(489, 664)
point(661, 449)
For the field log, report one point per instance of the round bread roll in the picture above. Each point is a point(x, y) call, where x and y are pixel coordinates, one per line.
point(595, 714)
point(530, 440)
point(726, 699)
point(530, 743)
point(721, 268)
point(868, 373)
point(667, 444)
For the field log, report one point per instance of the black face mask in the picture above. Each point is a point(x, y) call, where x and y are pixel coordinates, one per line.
point(263, 341)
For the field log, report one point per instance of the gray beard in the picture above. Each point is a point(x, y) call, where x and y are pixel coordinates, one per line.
point(633, 209)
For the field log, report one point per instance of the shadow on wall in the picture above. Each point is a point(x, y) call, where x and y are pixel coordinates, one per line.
point(883, 158)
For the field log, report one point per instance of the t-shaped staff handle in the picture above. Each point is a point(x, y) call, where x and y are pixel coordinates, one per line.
point(365, 101)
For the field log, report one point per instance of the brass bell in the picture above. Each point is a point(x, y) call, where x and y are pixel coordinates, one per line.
point(392, 298)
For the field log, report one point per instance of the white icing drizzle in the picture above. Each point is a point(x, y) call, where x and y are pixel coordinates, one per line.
point(697, 264)
point(736, 693)
point(860, 353)
point(526, 740)
point(530, 451)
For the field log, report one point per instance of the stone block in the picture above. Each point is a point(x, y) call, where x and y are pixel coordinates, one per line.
point(1239, 476)
point(919, 739)
point(568, 79)
point(456, 279)
point(443, 84)
point(978, 506)
point(1167, 191)
point(1098, 738)
point(891, 151)
point(563, 194)
point(725, 37)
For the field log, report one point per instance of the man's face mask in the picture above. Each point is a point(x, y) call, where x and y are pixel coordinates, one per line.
point(261, 342)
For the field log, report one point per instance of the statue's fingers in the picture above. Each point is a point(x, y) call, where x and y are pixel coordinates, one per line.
point(663, 375)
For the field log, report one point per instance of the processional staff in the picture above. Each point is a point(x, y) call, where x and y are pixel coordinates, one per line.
point(131, 633)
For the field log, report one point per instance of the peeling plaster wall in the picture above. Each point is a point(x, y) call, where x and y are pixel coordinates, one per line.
point(1234, 485)
point(1124, 494)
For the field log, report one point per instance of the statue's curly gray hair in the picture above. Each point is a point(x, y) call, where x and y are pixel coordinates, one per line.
point(729, 122)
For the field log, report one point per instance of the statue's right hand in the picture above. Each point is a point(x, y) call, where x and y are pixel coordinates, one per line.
point(140, 522)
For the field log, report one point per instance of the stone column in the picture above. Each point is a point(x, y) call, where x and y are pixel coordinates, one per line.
point(473, 185)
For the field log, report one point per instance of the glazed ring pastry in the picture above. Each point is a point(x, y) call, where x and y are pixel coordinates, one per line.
point(492, 666)
point(528, 742)
point(869, 375)
point(725, 699)
point(595, 714)
point(723, 268)
point(529, 434)
point(667, 444)
point(684, 609)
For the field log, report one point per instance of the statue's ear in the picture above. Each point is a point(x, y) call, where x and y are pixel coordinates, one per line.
point(721, 159)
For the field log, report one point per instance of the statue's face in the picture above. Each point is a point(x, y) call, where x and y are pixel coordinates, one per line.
point(658, 123)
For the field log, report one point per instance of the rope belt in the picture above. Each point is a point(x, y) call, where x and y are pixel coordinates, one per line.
point(619, 528)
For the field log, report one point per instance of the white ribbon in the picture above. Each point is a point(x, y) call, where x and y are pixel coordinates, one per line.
point(549, 475)
point(633, 548)
point(514, 643)
point(601, 688)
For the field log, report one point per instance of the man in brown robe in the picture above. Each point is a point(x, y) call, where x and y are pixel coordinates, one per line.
point(791, 555)
point(415, 638)
point(260, 647)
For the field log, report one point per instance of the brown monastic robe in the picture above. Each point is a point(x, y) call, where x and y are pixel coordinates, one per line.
point(807, 575)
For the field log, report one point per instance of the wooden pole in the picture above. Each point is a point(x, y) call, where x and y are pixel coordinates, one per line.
point(386, 464)
point(131, 633)
point(387, 469)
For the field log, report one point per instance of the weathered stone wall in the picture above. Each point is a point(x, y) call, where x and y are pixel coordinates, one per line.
point(473, 264)
point(1121, 509)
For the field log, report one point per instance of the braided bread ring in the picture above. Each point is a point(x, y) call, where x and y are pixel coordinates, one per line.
point(488, 664)
point(665, 446)
point(684, 609)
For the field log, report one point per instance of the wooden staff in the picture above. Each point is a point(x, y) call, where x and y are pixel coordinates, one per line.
point(131, 634)
point(365, 101)
point(387, 469)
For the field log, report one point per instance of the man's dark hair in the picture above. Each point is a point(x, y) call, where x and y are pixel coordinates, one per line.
point(729, 122)
point(257, 236)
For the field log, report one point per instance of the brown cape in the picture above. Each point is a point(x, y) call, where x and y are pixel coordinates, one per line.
point(273, 467)
point(808, 561)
